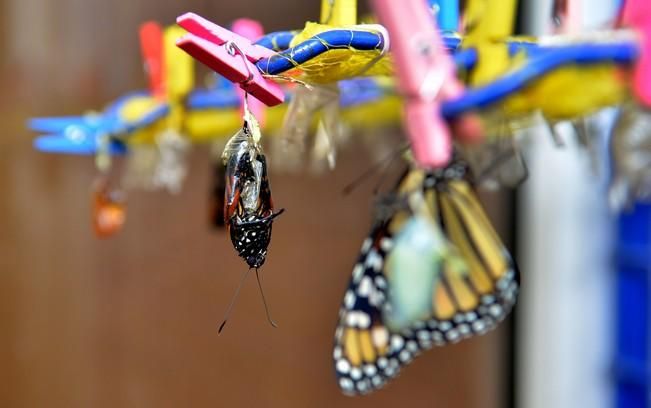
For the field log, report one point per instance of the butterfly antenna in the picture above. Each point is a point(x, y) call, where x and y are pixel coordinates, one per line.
point(230, 307)
point(381, 164)
point(264, 301)
point(381, 177)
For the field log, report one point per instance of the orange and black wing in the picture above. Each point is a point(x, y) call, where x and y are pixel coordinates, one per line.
point(366, 353)
point(471, 301)
point(467, 299)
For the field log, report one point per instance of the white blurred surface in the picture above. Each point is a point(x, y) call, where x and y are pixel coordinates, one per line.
point(565, 313)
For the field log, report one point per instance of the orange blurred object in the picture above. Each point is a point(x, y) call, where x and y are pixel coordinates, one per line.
point(109, 210)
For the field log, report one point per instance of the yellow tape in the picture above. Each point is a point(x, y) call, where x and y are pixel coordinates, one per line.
point(339, 12)
point(338, 64)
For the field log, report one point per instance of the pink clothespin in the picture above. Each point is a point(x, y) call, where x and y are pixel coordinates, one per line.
point(251, 30)
point(637, 14)
point(230, 55)
point(426, 76)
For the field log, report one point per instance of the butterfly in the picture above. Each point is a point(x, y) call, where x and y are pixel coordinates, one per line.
point(425, 277)
point(248, 209)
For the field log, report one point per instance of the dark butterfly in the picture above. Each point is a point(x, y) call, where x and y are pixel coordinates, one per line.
point(433, 271)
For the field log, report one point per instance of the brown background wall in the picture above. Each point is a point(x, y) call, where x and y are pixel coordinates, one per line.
point(132, 322)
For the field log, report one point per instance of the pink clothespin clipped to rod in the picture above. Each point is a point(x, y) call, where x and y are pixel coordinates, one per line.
point(230, 55)
point(426, 76)
point(637, 14)
point(251, 30)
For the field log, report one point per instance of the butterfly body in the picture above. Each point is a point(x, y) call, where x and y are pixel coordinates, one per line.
point(462, 283)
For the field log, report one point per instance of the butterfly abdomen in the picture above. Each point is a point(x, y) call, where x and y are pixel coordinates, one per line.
point(250, 235)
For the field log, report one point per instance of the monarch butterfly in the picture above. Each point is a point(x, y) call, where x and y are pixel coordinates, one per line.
point(471, 285)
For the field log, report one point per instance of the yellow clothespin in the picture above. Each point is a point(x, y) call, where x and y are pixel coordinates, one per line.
point(179, 68)
point(488, 24)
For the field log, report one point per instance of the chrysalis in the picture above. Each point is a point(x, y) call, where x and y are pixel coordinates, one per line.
point(248, 210)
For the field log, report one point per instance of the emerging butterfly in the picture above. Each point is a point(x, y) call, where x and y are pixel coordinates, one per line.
point(248, 207)
point(432, 271)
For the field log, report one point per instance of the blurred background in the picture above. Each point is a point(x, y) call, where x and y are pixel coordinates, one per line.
point(132, 321)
